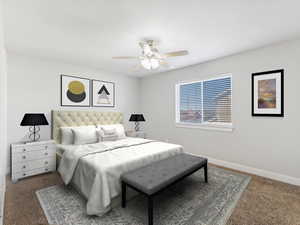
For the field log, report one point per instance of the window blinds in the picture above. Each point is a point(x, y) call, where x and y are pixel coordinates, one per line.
point(191, 103)
point(205, 102)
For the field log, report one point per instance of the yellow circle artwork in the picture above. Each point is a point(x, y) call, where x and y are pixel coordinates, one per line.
point(76, 87)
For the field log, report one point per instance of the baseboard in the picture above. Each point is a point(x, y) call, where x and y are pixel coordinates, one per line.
point(255, 171)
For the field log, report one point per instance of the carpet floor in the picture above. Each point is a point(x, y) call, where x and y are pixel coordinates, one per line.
point(264, 202)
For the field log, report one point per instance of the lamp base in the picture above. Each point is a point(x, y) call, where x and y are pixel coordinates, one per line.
point(34, 133)
point(137, 126)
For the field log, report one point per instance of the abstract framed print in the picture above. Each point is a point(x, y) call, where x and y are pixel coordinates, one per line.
point(75, 91)
point(103, 93)
point(268, 93)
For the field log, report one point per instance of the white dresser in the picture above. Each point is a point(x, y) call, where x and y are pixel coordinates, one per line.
point(32, 159)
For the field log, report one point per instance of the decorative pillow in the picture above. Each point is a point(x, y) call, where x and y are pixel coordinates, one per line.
point(120, 131)
point(107, 134)
point(113, 137)
point(84, 135)
point(67, 137)
point(109, 131)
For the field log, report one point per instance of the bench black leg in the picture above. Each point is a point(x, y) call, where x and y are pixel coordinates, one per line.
point(123, 195)
point(150, 210)
point(205, 173)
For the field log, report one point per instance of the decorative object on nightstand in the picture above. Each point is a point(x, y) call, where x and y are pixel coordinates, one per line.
point(139, 134)
point(32, 159)
point(137, 118)
point(34, 120)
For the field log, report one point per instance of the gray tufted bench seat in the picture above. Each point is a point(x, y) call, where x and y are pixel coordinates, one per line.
point(152, 179)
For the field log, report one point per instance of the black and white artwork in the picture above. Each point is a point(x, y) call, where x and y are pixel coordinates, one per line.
point(103, 93)
point(75, 91)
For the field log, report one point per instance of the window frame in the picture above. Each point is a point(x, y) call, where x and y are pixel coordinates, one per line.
point(203, 125)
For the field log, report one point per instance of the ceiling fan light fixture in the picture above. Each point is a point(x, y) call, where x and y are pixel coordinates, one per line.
point(151, 58)
point(150, 63)
point(154, 63)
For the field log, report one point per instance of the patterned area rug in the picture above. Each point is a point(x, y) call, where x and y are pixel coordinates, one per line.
point(189, 202)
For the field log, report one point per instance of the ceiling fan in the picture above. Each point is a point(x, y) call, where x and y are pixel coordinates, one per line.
point(151, 58)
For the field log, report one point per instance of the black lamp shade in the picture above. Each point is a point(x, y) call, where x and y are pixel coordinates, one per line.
point(34, 119)
point(137, 117)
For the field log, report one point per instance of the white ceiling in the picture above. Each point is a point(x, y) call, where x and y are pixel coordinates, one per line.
point(90, 32)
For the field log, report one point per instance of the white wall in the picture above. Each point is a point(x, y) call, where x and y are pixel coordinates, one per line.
point(268, 144)
point(34, 86)
point(2, 115)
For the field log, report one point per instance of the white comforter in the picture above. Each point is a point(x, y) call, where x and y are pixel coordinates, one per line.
point(100, 166)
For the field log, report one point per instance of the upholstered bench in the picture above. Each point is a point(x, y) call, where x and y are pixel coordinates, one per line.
point(152, 179)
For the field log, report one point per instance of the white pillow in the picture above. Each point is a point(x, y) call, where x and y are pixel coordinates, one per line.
point(118, 127)
point(66, 134)
point(84, 135)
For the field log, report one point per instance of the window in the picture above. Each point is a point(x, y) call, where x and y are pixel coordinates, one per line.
point(204, 103)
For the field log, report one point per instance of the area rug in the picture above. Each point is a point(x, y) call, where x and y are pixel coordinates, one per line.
point(189, 202)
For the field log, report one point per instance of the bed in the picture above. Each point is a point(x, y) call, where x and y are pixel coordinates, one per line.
point(94, 170)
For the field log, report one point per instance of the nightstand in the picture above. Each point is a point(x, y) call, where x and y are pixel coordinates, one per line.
point(139, 134)
point(32, 158)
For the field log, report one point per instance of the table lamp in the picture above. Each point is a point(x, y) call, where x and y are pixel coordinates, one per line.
point(137, 118)
point(34, 120)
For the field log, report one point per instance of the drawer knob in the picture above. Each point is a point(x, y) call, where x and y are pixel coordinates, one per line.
point(24, 150)
point(24, 167)
point(46, 153)
point(24, 174)
point(46, 162)
point(46, 169)
point(24, 157)
point(46, 147)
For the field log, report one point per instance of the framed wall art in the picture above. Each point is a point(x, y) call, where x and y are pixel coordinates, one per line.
point(103, 93)
point(75, 91)
point(268, 93)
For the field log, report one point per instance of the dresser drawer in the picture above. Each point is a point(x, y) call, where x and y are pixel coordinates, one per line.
point(34, 164)
point(29, 148)
point(33, 155)
point(16, 176)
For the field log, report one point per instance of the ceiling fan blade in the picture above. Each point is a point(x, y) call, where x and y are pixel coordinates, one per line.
point(164, 63)
point(177, 53)
point(125, 57)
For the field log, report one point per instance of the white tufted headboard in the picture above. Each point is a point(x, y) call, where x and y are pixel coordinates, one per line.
point(81, 118)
